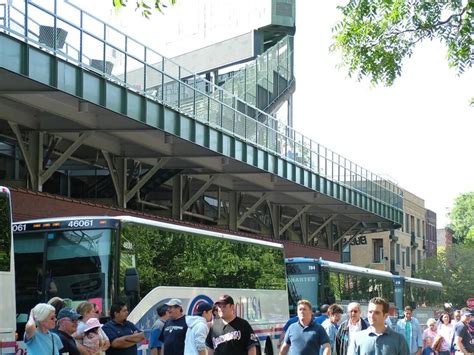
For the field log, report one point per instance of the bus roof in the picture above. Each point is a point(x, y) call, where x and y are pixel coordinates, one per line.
point(424, 283)
point(344, 268)
point(164, 225)
point(351, 269)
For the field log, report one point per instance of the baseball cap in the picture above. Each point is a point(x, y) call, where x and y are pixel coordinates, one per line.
point(203, 307)
point(91, 324)
point(466, 312)
point(174, 302)
point(68, 313)
point(226, 299)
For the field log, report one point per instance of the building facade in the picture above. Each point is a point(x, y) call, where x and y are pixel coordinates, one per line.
point(399, 251)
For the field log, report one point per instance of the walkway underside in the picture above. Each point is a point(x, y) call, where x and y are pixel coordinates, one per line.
point(65, 145)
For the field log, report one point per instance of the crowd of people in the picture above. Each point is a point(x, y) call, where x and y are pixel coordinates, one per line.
point(380, 333)
point(55, 329)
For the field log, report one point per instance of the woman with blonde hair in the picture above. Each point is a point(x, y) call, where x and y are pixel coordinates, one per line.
point(89, 310)
point(38, 339)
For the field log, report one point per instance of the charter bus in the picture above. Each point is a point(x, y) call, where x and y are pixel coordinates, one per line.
point(322, 281)
point(7, 276)
point(145, 263)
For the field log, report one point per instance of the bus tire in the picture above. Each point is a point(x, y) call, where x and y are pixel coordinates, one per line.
point(268, 346)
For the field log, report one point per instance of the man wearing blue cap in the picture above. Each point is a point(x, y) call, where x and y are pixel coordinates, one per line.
point(462, 338)
point(195, 342)
point(67, 325)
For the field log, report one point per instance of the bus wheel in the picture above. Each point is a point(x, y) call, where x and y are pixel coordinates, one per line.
point(268, 346)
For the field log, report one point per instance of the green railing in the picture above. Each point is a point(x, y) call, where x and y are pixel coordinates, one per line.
point(72, 34)
point(262, 80)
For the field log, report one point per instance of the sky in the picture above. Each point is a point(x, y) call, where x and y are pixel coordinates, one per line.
point(418, 132)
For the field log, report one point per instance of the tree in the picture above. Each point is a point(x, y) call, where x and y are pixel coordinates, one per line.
point(145, 6)
point(454, 269)
point(375, 36)
point(462, 218)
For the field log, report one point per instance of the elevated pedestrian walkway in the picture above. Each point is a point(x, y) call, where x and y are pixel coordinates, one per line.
point(101, 88)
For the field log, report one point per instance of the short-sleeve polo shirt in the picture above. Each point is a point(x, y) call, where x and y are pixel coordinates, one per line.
point(305, 339)
point(388, 343)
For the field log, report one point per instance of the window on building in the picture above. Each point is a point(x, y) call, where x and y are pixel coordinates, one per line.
point(397, 255)
point(408, 256)
point(378, 251)
point(418, 227)
point(412, 224)
point(407, 223)
point(418, 257)
point(403, 259)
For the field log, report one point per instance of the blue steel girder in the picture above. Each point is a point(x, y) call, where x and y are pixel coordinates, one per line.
point(44, 67)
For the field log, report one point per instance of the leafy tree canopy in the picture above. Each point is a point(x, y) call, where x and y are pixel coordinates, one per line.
point(462, 218)
point(375, 36)
point(145, 6)
point(455, 270)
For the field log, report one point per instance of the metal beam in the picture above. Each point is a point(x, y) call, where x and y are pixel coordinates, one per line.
point(145, 179)
point(68, 152)
point(311, 237)
point(346, 232)
point(249, 211)
point(199, 192)
point(113, 173)
point(300, 212)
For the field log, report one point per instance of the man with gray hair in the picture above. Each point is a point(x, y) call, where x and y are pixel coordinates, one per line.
point(67, 326)
point(347, 329)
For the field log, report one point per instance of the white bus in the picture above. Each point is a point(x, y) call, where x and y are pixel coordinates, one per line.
point(322, 281)
point(7, 276)
point(145, 262)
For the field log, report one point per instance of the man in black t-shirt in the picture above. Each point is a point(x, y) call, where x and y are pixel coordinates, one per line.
point(174, 331)
point(231, 335)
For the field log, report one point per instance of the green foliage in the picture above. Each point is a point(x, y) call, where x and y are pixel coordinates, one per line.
point(171, 258)
point(455, 270)
point(145, 6)
point(462, 218)
point(375, 36)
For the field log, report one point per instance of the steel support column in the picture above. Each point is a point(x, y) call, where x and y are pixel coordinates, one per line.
point(233, 210)
point(177, 197)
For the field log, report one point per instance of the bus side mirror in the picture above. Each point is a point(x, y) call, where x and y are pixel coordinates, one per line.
point(132, 287)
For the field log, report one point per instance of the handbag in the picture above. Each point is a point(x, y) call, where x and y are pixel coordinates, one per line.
point(52, 340)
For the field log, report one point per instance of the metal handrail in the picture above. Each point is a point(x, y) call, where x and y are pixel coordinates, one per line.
point(265, 133)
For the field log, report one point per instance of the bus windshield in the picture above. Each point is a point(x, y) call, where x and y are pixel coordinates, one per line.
point(71, 264)
point(303, 281)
